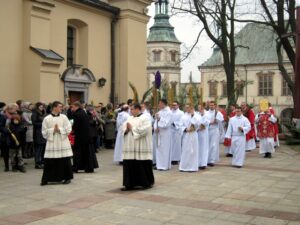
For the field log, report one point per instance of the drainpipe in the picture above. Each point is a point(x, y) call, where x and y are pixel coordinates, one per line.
point(113, 58)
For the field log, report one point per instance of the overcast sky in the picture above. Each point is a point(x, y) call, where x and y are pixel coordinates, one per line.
point(186, 31)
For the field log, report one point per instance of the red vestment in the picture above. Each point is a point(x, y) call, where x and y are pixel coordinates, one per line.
point(276, 129)
point(251, 117)
point(265, 128)
point(232, 114)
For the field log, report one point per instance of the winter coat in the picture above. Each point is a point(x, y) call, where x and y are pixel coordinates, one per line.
point(37, 118)
point(18, 130)
point(28, 123)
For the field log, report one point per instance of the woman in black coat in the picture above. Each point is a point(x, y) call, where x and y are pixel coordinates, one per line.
point(37, 117)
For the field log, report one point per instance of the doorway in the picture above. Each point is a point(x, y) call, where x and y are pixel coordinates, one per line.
point(76, 96)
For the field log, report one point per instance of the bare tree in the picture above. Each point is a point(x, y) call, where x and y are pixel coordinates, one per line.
point(218, 20)
point(279, 15)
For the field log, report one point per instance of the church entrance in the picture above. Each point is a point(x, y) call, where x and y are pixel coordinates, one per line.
point(76, 96)
point(76, 83)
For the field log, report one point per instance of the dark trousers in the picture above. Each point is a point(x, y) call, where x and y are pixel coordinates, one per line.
point(5, 154)
point(39, 151)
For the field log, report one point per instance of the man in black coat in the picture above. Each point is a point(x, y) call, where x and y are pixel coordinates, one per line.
point(84, 153)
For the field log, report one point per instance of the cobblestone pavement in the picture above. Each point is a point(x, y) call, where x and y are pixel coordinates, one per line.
point(264, 192)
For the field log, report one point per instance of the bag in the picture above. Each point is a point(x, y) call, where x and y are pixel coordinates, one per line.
point(227, 142)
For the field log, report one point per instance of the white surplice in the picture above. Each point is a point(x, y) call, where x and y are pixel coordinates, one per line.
point(214, 135)
point(176, 134)
point(58, 144)
point(121, 119)
point(190, 152)
point(203, 139)
point(238, 138)
point(162, 139)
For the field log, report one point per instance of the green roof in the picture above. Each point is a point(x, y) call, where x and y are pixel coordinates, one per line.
point(162, 30)
point(259, 47)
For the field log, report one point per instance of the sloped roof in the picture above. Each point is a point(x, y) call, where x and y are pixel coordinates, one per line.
point(47, 54)
point(259, 47)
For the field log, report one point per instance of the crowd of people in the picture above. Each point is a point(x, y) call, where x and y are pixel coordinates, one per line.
point(192, 138)
point(64, 138)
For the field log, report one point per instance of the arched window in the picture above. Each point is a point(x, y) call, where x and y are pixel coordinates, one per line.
point(213, 85)
point(71, 45)
point(157, 56)
point(173, 56)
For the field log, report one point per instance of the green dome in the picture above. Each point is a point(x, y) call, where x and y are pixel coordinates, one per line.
point(162, 30)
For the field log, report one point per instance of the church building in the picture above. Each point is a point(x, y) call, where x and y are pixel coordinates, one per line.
point(84, 50)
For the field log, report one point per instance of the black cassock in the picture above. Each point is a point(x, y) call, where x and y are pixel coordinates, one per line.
point(84, 153)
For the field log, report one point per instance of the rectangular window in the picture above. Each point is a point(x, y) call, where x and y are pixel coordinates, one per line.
point(213, 89)
point(70, 46)
point(240, 88)
point(285, 90)
point(265, 85)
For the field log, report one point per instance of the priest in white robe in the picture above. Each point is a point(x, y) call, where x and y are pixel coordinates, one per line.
point(58, 153)
point(162, 128)
point(176, 133)
point(137, 154)
point(237, 129)
point(189, 161)
point(203, 137)
point(216, 118)
point(123, 115)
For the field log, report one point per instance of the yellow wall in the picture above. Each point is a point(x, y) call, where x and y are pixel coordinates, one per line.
point(11, 30)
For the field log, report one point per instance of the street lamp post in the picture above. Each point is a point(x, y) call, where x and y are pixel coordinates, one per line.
point(297, 64)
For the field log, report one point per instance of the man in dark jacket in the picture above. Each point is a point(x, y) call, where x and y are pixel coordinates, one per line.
point(3, 141)
point(84, 154)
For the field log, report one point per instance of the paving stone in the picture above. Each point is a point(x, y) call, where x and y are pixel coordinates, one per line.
point(264, 192)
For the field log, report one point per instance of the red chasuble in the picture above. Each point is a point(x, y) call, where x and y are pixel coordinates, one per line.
point(265, 128)
point(251, 117)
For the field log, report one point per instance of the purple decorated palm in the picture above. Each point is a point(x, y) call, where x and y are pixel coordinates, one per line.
point(157, 80)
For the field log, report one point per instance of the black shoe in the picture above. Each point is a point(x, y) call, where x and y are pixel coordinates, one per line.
point(127, 189)
point(147, 187)
point(66, 181)
point(14, 169)
point(174, 163)
point(43, 183)
point(22, 169)
point(39, 166)
point(270, 155)
point(229, 155)
point(6, 169)
point(202, 167)
point(121, 163)
point(266, 155)
point(211, 164)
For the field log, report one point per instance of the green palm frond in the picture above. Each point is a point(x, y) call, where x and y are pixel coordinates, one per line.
point(146, 94)
point(135, 94)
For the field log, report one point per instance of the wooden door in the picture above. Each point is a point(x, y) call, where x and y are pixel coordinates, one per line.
point(75, 96)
